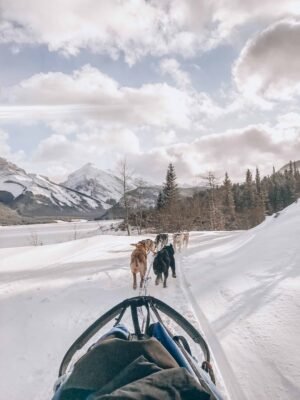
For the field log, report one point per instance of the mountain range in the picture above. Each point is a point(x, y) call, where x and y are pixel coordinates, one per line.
point(34, 195)
point(87, 193)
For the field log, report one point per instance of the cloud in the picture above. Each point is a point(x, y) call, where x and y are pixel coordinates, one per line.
point(89, 142)
point(63, 127)
point(4, 147)
point(171, 67)
point(133, 28)
point(268, 68)
point(166, 137)
point(6, 151)
point(88, 93)
point(233, 151)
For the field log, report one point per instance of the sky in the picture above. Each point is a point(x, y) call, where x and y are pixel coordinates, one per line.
point(209, 85)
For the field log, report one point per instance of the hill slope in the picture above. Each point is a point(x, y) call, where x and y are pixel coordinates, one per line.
point(247, 295)
point(35, 195)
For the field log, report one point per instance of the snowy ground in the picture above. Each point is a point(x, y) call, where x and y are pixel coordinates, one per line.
point(241, 287)
point(42, 234)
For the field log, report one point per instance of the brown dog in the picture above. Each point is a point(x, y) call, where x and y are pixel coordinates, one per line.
point(138, 262)
point(150, 245)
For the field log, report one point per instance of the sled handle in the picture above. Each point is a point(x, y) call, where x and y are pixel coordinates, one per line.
point(119, 310)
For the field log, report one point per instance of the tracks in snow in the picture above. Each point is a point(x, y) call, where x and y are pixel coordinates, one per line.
point(232, 388)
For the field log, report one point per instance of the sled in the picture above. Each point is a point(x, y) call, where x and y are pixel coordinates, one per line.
point(150, 334)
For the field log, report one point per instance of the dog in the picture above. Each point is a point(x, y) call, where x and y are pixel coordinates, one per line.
point(161, 263)
point(161, 240)
point(150, 245)
point(186, 238)
point(178, 241)
point(138, 263)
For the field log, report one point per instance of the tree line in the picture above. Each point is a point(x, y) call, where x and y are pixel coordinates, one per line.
point(225, 206)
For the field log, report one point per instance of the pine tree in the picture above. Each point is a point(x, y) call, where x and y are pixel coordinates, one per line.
point(170, 190)
point(257, 181)
point(290, 184)
point(228, 204)
point(259, 194)
point(249, 191)
point(160, 201)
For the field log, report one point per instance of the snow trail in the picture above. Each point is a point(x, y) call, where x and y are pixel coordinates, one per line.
point(241, 288)
point(219, 360)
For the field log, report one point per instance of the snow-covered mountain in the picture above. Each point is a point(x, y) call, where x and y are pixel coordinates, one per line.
point(101, 185)
point(36, 195)
point(287, 166)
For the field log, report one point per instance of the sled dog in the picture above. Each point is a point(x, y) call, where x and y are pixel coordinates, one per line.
point(150, 245)
point(161, 240)
point(138, 263)
point(177, 241)
point(186, 238)
point(161, 263)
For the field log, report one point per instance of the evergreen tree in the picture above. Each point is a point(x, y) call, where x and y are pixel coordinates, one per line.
point(257, 181)
point(290, 185)
point(249, 197)
point(160, 201)
point(170, 191)
point(228, 204)
point(260, 209)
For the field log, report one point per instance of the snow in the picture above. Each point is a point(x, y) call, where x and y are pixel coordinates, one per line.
point(43, 234)
point(99, 184)
point(16, 181)
point(240, 288)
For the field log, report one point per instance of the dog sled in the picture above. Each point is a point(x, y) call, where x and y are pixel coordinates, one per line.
point(145, 361)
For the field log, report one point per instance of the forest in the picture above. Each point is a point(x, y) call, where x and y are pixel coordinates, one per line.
point(225, 206)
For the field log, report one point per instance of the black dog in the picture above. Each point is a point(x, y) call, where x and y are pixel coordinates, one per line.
point(161, 263)
point(161, 240)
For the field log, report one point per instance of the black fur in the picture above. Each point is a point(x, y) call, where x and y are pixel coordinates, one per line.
point(161, 263)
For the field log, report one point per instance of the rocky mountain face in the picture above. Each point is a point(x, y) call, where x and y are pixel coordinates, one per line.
point(36, 195)
point(103, 186)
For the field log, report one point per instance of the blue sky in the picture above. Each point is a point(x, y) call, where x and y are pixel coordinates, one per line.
point(208, 85)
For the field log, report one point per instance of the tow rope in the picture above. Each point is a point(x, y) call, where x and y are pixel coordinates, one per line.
point(147, 278)
point(144, 292)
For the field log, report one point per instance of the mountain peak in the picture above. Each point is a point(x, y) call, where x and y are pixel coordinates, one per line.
point(89, 165)
point(102, 185)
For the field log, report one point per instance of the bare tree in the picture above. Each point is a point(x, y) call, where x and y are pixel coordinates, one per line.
point(75, 232)
point(215, 214)
point(34, 239)
point(125, 174)
point(139, 205)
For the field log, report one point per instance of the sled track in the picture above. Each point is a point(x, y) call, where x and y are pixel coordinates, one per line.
point(232, 389)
